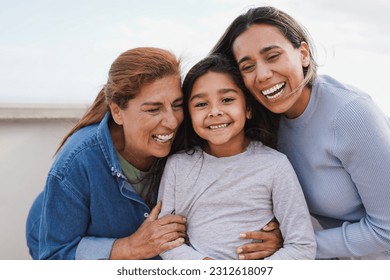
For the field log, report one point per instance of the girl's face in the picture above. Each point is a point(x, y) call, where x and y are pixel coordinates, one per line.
point(272, 69)
point(218, 112)
point(150, 121)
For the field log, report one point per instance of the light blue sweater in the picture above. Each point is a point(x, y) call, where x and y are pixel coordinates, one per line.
point(340, 150)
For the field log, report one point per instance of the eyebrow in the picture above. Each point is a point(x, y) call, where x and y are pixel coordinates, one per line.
point(160, 103)
point(262, 51)
point(220, 91)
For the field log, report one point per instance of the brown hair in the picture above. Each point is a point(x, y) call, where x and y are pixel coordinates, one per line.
point(128, 73)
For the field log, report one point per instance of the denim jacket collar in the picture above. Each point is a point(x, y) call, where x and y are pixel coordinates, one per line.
point(107, 146)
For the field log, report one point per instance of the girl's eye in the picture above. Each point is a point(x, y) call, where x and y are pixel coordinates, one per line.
point(227, 100)
point(200, 104)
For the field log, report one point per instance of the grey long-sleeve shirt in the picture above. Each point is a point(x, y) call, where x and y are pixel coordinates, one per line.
point(223, 197)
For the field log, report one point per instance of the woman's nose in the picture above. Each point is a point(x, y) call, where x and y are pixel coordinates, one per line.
point(263, 73)
point(171, 120)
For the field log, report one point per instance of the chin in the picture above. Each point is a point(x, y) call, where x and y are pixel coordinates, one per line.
point(161, 153)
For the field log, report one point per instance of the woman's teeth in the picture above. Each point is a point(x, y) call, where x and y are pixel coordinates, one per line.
point(275, 91)
point(163, 138)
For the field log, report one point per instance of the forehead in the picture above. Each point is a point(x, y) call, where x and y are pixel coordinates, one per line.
point(165, 88)
point(259, 36)
point(214, 82)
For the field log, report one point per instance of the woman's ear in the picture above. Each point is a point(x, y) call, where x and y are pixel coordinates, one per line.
point(116, 113)
point(305, 54)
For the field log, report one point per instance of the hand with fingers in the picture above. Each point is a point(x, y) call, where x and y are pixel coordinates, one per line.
point(153, 237)
point(266, 242)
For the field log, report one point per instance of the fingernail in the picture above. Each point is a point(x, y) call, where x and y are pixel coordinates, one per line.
point(242, 235)
point(239, 250)
point(241, 257)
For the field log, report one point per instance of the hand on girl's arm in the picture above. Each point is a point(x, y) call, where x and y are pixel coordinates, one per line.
point(153, 237)
point(269, 240)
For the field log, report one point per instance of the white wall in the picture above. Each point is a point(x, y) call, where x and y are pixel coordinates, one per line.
point(29, 137)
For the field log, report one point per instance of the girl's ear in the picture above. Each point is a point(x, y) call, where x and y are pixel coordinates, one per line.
point(116, 113)
point(248, 112)
point(305, 54)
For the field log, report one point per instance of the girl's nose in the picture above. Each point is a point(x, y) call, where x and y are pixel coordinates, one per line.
point(215, 111)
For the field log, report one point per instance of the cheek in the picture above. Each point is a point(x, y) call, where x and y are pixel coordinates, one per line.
point(248, 81)
point(179, 117)
point(196, 120)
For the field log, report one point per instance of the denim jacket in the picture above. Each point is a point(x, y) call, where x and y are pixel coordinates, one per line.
point(87, 202)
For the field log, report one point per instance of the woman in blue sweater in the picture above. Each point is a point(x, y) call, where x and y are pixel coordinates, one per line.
point(336, 138)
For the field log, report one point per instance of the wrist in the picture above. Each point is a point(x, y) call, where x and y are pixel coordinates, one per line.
point(123, 250)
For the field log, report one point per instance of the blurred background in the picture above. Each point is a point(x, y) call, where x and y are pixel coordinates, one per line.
point(55, 56)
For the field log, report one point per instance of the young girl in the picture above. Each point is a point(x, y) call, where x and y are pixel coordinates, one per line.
point(227, 179)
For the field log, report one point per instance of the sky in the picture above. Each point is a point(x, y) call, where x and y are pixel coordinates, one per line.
point(61, 51)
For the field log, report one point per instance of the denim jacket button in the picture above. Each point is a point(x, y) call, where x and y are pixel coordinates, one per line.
point(118, 174)
point(146, 215)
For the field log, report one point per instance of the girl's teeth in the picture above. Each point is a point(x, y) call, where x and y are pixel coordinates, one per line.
point(218, 126)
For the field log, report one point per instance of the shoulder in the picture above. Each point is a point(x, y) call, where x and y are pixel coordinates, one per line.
point(263, 153)
point(341, 94)
point(343, 103)
point(185, 157)
point(83, 144)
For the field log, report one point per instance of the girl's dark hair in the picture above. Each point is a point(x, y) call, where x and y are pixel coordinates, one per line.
point(263, 125)
point(128, 74)
point(287, 25)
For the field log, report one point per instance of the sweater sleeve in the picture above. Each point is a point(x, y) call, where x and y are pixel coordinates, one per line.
point(167, 196)
point(291, 211)
point(362, 144)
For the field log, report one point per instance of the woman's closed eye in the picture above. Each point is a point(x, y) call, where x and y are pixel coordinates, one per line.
point(154, 110)
point(177, 106)
point(247, 68)
point(273, 57)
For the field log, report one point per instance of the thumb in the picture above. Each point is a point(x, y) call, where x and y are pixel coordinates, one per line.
point(155, 211)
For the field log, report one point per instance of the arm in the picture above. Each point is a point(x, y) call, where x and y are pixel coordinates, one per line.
point(153, 237)
point(290, 209)
point(362, 144)
point(68, 240)
point(167, 196)
point(60, 232)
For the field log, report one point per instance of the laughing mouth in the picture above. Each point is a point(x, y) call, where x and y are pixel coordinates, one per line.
point(275, 91)
point(163, 138)
point(216, 126)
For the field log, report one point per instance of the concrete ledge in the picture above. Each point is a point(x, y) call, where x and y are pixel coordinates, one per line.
point(23, 111)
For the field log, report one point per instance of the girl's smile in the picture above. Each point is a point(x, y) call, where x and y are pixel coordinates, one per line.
point(218, 113)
